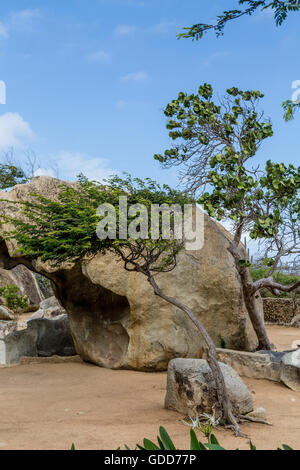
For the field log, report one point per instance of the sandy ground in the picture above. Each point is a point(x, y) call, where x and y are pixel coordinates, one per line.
point(49, 406)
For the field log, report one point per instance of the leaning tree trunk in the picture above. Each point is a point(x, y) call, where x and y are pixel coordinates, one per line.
point(222, 394)
point(249, 299)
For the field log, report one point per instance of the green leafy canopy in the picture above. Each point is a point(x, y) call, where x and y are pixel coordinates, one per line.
point(281, 10)
point(215, 142)
point(64, 229)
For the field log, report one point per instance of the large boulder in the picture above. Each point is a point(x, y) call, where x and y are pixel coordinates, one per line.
point(16, 345)
point(53, 337)
point(115, 318)
point(191, 389)
point(24, 279)
point(42, 337)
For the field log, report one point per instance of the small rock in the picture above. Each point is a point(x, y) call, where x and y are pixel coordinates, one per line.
point(258, 413)
point(290, 370)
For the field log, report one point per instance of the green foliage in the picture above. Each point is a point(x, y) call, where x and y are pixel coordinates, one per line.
point(13, 300)
point(65, 229)
point(216, 143)
point(289, 109)
point(11, 175)
point(280, 277)
point(164, 442)
point(281, 10)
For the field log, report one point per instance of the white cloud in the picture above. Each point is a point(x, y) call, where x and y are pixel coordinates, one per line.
point(100, 57)
point(3, 31)
point(26, 15)
point(120, 104)
point(163, 27)
point(69, 165)
point(135, 76)
point(24, 20)
point(14, 131)
point(125, 30)
point(44, 172)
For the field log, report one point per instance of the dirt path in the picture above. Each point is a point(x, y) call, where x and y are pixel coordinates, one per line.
point(49, 406)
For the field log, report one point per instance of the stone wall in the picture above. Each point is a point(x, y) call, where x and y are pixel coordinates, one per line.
point(279, 311)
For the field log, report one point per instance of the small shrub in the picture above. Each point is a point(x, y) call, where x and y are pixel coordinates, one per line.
point(13, 300)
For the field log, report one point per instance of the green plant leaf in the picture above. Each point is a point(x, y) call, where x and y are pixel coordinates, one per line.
point(149, 445)
point(194, 441)
point(166, 440)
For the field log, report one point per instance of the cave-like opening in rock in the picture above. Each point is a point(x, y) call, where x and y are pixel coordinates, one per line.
point(98, 317)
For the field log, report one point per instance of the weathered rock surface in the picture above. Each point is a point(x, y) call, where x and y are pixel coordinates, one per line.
point(258, 365)
point(7, 327)
point(17, 344)
point(24, 279)
point(5, 314)
point(42, 337)
point(53, 337)
point(49, 308)
point(290, 370)
point(115, 318)
point(281, 366)
point(191, 389)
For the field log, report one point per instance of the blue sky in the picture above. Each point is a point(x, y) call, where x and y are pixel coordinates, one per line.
point(87, 80)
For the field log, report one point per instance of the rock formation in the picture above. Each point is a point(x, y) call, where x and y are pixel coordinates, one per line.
point(23, 278)
point(42, 337)
point(115, 318)
point(191, 389)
